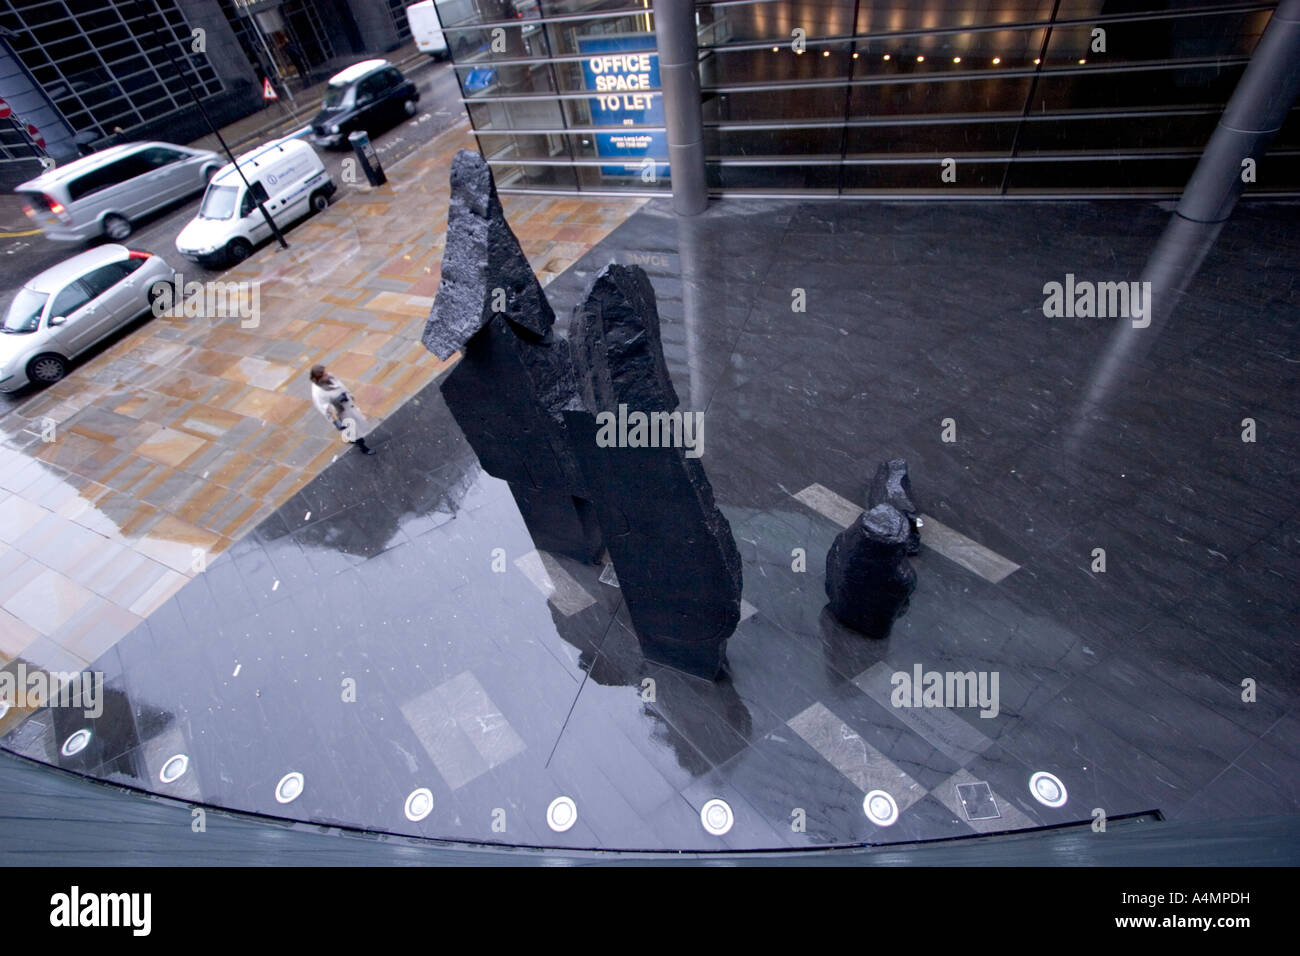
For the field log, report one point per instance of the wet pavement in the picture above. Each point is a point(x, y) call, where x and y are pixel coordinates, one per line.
point(189, 431)
point(391, 627)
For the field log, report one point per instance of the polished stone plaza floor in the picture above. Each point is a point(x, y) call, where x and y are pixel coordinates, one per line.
point(391, 627)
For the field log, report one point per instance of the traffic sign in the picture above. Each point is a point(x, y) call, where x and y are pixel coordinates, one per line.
point(267, 92)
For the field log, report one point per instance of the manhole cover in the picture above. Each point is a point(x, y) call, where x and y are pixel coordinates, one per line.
point(977, 800)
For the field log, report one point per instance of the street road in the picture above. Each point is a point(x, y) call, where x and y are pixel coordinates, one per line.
point(25, 256)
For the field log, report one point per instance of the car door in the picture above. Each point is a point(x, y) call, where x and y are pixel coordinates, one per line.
point(114, 296)
point(371, 102)
point(252, 222)
point(73, 305)
point(168, 177)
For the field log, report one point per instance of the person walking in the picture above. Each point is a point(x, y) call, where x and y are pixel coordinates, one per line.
point(332, 399)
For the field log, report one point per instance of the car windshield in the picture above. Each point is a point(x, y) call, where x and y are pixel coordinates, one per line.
point(25, 313)
point(219, 202)
point(337, 97)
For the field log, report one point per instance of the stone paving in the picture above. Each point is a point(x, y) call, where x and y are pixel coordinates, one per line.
point(187, 432)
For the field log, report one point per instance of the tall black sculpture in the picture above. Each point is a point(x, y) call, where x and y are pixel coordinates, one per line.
point(869, 580)
point(515, 377)
point(676, 559)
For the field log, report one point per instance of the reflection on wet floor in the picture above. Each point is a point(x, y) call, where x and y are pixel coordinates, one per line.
point(381, 632)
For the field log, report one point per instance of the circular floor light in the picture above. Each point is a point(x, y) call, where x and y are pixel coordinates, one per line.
point(1048, 789)
point(289, 788)
point(717, 817)
point(419, 804)
point(880, 808)
point(561, 814)
point(76, 743)
point(174, 768)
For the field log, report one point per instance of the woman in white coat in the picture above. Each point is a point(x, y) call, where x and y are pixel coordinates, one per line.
point(333, 400)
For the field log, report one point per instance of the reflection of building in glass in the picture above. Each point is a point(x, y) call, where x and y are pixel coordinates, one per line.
point(862, 97)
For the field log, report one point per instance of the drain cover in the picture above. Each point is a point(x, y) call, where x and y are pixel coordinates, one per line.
point(717, 817)
point(289, 788)
point(561, 814)
point(173, 768)
point(977, 800)
point(1048, 789)
point(880, 808)
point(76, 743)
point(419, 804)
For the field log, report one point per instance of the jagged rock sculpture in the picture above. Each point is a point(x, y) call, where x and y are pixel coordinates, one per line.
point(868, 577)
point(516, 376)
point(676, 559)
point(892, 486)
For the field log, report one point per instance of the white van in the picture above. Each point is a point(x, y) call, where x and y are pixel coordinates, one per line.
point(426, 28)
point(285, 175)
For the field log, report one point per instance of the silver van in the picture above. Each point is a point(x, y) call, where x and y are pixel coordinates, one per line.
point(104, 193)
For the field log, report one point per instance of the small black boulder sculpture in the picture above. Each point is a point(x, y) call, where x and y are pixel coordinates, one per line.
point(673, 550)
point(515, 376)
point(892, 486)
point(868, 577)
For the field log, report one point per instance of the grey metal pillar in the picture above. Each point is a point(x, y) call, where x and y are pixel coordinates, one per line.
point(1254, 114)
point(679, 78)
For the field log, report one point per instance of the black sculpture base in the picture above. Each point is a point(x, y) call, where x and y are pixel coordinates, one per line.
point(706, 660)
point(560, 522)
point(869, 580)
point(892, 486)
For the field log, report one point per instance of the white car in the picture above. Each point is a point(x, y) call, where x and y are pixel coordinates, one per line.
point(67, 309)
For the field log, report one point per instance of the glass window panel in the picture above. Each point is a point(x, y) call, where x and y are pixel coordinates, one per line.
point(901, 179)
point(773, 142)
point(1176, 38)
point(776, 21)
point(940, 139)
point(1189, 86)
point(773, 177)
point(1118, 133)
point(887, 16)
point(524, 176)
point(515, 114)
point(1102, 175)
point(819, 103)
point(775, 65)
point(954, 97)
point(563, 38)
point(592, 178)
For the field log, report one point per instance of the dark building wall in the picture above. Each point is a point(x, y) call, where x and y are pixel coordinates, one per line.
point(375, 22)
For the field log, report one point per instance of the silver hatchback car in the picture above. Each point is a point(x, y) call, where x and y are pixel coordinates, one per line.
point(103, 194)
point(67, 309)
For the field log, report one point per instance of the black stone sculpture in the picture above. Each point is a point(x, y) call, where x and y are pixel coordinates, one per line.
point(868, 577)
point(892, 486)
point(515, 376)
point(673, 550)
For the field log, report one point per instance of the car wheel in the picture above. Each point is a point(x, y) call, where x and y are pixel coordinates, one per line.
point(117, 227)
point(319, 201)
point(47, 369)
point(156, 293)
point(238, 250)
point(409, 107)
point(208, 173)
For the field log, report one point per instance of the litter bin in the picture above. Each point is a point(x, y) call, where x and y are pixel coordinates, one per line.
point(367, 157)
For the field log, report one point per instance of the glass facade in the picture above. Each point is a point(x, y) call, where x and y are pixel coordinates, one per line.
point(94, 65)
point(868, 97)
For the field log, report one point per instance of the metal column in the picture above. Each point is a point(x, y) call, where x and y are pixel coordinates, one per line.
point(679, 78)
point(1254, 114)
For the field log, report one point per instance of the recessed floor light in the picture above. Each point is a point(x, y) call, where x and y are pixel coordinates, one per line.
point(717, 817)
point(1048, 789)
point(174, 768)
point(76, 743)
point(419, 804)
point(289, 788)
point(561, 814)
point(880, 808)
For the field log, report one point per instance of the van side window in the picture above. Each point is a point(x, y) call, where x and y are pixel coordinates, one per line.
point(246, 206)
point(258, 191)
point(69, 300)
point(128, 167)
point(158, 157)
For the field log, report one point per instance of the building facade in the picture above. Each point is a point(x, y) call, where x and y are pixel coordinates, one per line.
point(860, 98)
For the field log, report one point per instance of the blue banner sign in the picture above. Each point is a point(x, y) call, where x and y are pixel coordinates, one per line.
point(623, 73)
